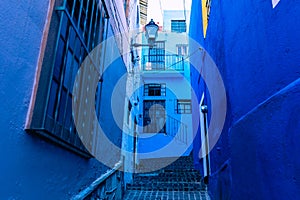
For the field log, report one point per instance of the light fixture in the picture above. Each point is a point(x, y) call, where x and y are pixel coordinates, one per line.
point(151, 30)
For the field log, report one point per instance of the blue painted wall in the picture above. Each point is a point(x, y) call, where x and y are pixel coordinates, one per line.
point(32, 168)
point(256, 49)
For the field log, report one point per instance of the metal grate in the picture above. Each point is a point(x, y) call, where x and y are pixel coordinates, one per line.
point(163, 63)
point(77, 26)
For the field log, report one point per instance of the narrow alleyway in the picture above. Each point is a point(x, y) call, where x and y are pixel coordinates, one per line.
point(176, 181)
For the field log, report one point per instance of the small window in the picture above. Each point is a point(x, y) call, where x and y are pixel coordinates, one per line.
point(155, 89)
point(182, 49)
point(183, 106)
point(155, 60)
point(178, 26)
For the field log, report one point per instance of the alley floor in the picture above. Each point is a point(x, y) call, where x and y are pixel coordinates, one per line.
point(166, 195)
point(177, 181)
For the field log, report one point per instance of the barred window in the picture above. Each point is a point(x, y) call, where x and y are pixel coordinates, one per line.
point(178, 26)
point(156, 56)
point(155, 89)
point(77, 26)
point(183, 106)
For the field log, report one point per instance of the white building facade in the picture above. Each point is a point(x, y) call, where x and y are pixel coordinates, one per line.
point(165, 94)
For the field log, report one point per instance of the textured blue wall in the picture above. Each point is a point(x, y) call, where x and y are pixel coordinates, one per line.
point(265, 149)
point(256, 49)
point(31, 168)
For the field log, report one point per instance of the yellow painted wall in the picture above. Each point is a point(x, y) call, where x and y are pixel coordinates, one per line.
point(205, 10)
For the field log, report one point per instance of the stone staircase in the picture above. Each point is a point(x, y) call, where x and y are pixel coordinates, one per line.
point(178, 176)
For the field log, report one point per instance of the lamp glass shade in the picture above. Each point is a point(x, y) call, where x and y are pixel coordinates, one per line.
point(151, 30)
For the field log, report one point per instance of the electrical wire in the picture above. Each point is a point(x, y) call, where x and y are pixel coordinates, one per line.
point(188, 56)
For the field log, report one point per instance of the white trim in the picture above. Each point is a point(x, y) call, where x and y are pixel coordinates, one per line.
point(274, 3)
point(204, 140)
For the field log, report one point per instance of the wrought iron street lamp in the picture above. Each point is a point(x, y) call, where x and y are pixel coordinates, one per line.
point(151, 30)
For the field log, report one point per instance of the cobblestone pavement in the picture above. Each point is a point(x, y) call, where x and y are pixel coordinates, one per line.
point(177, 181)
point(166, 195)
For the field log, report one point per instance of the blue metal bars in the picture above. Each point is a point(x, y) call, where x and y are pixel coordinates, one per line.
point(163, 63)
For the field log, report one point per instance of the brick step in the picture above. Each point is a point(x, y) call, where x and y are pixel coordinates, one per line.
point(163, 186)
point(169, 179)
point(176, 180)
point(185, 168)
point(189, 170)
point(186, 164)
point(180, 162)
point(170, 172)
point(183, 163)
point(178, 176)
point(173, 168)
point(168, 176)
point(188, 178)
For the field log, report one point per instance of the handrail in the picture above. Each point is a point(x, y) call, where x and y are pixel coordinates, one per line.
point(168, 62)
point(87, 191)
point(177, 129)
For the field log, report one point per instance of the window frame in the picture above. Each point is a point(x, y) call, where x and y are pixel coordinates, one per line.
point(155, 87)
point(182, 47)
point(185, 103)
point(178, 25)
point(68, 41)
point(157, 56)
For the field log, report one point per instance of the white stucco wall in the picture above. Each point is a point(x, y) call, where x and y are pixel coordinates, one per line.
point(178, 87)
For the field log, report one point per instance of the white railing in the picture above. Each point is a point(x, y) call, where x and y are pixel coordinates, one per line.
point(107, 186)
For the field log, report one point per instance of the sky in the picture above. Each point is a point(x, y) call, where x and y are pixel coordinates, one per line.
point(156, 7)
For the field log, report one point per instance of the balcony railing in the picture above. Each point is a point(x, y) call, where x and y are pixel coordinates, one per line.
point(163, 63)
point(172, 127)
